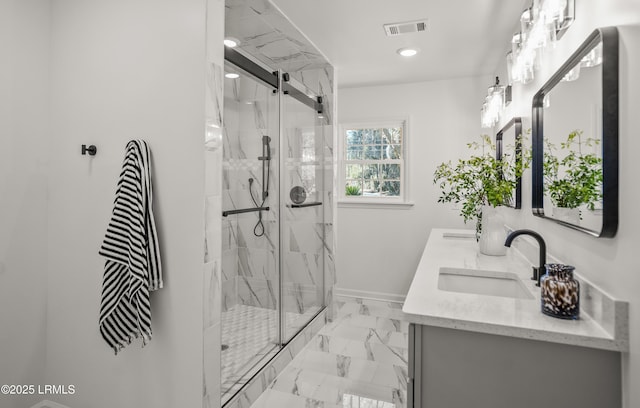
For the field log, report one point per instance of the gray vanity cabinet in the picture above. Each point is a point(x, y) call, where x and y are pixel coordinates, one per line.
point(450, 368)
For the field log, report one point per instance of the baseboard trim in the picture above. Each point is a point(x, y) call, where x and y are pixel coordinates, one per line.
point(364, 294)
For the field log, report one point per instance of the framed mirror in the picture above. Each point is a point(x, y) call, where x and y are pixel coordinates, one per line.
point(575, 139)
point(509, 149)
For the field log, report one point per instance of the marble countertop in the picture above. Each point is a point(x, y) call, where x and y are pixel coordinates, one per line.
point(603, 322)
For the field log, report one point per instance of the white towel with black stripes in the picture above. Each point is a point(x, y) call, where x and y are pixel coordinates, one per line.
point(132, 268)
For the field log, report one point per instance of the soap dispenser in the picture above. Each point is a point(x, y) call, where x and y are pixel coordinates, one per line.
point(560, 292)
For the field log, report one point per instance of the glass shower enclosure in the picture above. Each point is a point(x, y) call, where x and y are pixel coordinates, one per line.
point(272, 220)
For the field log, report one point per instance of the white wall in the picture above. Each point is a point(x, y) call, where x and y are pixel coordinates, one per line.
point(610, 263)
point(120, 70)
point(379, 249)
point(24, 122)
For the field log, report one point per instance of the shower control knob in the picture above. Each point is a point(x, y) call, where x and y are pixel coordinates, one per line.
point(298, 194)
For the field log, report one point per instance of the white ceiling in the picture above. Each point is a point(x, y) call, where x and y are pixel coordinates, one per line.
point(464, 38)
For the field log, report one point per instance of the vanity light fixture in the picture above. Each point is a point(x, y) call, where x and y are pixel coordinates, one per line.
point(540, 25)
point(592, 59)
point(231, 75)
point(407, 52)
point(231, 42)
point(498, 96)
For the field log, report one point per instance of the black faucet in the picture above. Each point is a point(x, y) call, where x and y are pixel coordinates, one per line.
point(537, 271)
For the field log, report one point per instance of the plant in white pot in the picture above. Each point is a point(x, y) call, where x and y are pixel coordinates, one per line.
point(481, 185)
point(574, 180)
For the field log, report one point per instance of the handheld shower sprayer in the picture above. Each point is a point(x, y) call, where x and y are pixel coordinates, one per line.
point(266, 167)
point(266, 160)
point(266, 148)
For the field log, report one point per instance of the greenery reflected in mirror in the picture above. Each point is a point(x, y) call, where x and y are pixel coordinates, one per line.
point(575, 131)
point(573, 150)
point(573, 174)
point(509, 150)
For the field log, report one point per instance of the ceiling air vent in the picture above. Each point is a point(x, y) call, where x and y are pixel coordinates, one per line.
point(405, 28)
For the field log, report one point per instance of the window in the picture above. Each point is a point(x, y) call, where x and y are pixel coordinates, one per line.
point(372, 166)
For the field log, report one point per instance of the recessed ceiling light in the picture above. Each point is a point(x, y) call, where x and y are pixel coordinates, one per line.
point(231, 75)
point(231, 42)
point(407, 52)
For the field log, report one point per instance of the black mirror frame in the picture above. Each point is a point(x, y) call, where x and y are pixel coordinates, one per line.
point(517, 122)
point(610, 102)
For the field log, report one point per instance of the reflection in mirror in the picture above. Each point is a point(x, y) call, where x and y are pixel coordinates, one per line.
point(509, 150)
point(575, 139)
point(573, 147)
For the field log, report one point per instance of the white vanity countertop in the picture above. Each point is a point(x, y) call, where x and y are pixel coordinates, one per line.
point(604, 327)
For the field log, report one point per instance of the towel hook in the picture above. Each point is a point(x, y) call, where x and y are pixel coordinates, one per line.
point(92, 150)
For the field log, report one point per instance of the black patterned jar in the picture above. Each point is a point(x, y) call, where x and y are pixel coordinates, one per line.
point(560, 292)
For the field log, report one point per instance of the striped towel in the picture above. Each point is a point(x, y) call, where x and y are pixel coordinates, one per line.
point(132, 268)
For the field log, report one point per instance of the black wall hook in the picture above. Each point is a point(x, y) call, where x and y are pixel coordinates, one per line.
point(92, 150)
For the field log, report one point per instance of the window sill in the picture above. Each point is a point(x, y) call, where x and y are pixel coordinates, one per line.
point(398, 205)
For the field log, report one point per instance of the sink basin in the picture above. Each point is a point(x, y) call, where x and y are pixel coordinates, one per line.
point(479, 282)
point(459, 235)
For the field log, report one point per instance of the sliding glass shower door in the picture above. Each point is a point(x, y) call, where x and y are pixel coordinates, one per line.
point(302, 232)
point(272, 219)
point(250, 227)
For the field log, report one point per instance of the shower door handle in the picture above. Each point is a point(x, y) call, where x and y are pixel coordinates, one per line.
point(244, 210)
point(313, 204)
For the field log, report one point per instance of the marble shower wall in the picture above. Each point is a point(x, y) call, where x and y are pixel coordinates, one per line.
point(268, 36)
point(249, 269)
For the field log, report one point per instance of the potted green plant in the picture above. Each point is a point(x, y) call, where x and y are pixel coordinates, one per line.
point(574, 180)
point(480, 184)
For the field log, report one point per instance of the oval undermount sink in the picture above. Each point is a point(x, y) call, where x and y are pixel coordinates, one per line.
point(479, 282)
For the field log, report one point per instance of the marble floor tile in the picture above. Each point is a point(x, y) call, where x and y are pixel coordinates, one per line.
point(331, 389)
point(272, 398)
point(368, 307)
point(335, 364)
point(376, 322)
point(361, 388)
point(358, 349)
point(394, 377)
point(345, 330)
point(356, 401)
point(357, 361)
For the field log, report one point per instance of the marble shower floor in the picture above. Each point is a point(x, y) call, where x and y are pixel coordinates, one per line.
point(357, 361)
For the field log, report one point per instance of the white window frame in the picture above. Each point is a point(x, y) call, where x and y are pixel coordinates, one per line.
point(373, 201)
